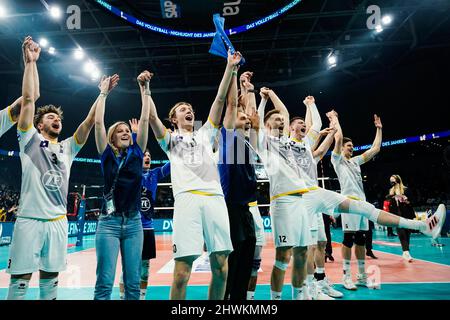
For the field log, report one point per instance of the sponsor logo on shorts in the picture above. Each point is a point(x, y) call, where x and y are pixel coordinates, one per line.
point(52, 180)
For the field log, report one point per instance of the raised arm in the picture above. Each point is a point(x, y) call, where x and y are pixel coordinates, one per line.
point(316, 121)
point(279, 105)
point(232, 100)
point(158, 128)
point(326, 143)
point(376, 146)
point(82, 133)
point(338, 136)
point(100, 131)
point(15, 109)
point(31, 52)
point(142, 134)
point(216, 109)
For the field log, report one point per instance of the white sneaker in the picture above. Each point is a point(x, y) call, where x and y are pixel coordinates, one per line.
point(407, 256)
point(348, 282)
point(361, 279)
point(317, 294)
point(305, 295)
point(435, 222)
point(326, 287)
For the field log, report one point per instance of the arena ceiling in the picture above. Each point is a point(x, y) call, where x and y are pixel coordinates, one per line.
point(290, 49)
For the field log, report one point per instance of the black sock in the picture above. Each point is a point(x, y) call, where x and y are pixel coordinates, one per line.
point(319, 276)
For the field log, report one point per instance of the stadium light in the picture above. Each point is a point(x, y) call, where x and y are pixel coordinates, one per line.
point(378, 29)
point(78, 54)
point(43, 42)
point(95, 75)
point(386, 20)
point(2, 11)
point(51, 50)
point(55, 12)
point(89, 67)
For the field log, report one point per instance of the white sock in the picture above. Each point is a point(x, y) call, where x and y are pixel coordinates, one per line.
point(297, 293)
point(412, 224)
point(274, 295)
point(309, 278)
point(48, 288)
point(143, 294)
point(320, 270)
point(17, 289)
point(361, 266)
point(250, 295)
point(346, 266)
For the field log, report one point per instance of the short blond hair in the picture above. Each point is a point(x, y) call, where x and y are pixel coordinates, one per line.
point(174, 109)
point(111, 130)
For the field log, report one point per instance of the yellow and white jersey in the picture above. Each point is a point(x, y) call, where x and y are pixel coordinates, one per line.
point(193, 166)
point(6, 121)
point(305, 160)
point(279, 161)
point(45, 174)
point(349, 175)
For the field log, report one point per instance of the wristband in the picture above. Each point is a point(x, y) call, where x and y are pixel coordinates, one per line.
point(103, 94)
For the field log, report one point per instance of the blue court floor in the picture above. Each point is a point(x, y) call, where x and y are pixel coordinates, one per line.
point(417, 289)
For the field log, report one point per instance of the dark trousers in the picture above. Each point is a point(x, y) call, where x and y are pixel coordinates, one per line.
point(240, 260)
point(369, 236)
point(327, 222)
point(404, 236)
point(390, 231)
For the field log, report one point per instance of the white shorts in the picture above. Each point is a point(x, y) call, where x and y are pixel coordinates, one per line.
point(318, 229)
point(38, 245)
point(322, 201)
point(259, 227)
point(290, 222)
point(199, 219)
point(354, 222)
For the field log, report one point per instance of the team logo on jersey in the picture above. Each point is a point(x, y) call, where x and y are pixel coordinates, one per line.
point(145, 204)
point(52, 180)
point(44, 144)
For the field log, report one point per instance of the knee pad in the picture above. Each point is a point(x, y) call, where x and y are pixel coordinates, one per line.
point(281, 265)
point(348, 239)
point(17, 289)
point(48, 289)
point(144, 270)
point(360, 238)
point(365, 209)
point(255, 267)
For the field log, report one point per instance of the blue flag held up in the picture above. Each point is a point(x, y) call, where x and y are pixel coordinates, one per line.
point(221, 43)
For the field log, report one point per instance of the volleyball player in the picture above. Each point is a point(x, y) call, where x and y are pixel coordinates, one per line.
point(200, 213)
point(40, 233)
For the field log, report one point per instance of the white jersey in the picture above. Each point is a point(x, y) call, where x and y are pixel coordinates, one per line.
point(45, 174)
point(6, 121)
point(280, 163)
point(193, 166)
point(305, 160)
point(349, 175)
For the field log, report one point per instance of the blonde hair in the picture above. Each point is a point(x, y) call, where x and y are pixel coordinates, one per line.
point(111, 130)
point(399, 188)
point(174, 109)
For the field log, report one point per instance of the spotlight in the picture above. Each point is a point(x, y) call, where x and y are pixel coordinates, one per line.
point(55, 12)
point(89, 67)
point(386, 20)
point(2, 12)
point(332, 60)
point(378, 28)
point(95, 75)
point(43, 42)
point(51, 50)
point(78, 54)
